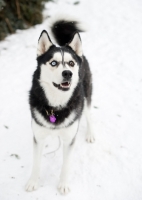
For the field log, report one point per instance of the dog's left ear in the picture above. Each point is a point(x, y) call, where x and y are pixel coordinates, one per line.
point(76, 44)
point(44, 43)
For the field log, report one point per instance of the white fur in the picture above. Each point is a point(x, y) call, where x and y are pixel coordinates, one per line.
point(51, 74)
point(76, 45)
point(90, 133)
point(43, 44)
point(67, 135)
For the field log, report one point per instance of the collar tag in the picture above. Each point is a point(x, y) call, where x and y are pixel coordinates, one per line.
point(52, 118)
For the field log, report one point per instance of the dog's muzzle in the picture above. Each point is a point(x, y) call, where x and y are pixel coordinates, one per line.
point(66, 83)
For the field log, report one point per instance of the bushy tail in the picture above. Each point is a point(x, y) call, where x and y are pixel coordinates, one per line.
point(63, 30)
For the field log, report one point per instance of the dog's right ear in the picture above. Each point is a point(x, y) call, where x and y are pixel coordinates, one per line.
point(76, 45)
point(44, 43)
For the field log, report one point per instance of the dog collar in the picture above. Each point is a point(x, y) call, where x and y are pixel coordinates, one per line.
point(51, 115)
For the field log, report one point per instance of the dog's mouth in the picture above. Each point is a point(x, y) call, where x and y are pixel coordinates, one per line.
point(63, 86)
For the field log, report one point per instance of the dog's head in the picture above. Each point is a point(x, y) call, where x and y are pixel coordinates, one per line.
point(59, 66)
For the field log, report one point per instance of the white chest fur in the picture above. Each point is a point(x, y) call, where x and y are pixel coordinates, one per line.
point(56, 97)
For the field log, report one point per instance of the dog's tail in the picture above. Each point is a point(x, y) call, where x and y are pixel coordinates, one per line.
point(64, 29)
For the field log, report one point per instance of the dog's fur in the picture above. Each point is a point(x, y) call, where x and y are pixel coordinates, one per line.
point(62, 84)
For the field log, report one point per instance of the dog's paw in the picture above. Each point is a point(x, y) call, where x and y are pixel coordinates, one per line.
point(31, 185)
point(90, 138)
point(63, 188)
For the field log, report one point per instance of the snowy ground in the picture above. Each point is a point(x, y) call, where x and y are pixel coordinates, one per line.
point(109, 169)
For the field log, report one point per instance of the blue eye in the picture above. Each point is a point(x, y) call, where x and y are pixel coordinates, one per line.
point(53, 63)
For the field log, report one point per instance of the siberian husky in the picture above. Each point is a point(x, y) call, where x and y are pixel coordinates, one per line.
point(61, 91)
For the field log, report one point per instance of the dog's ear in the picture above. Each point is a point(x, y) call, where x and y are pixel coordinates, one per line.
point(44, 43)
point(76, 44)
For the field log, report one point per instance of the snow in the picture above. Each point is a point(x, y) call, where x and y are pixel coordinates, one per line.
point(111, 168)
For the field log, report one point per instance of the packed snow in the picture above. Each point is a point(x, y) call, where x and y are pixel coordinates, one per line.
point(109, 169)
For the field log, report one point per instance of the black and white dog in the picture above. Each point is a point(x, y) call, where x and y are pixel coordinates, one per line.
point(61, 92)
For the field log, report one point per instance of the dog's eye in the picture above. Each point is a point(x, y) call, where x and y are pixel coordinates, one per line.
point(71, 63)
point(53, 63)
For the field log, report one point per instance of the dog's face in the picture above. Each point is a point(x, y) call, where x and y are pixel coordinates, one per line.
point(59, 66)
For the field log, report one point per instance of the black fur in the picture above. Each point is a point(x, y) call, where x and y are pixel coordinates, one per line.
point(37, 98)
point(39, 101)
point(64, 31)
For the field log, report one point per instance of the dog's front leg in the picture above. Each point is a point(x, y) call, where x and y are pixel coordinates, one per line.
point(90, 132)
point(37, 152)
point(68, 146)
point(38, 144)
point(63, 186)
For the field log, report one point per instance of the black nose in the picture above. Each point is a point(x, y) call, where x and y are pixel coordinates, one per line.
point(67, 74)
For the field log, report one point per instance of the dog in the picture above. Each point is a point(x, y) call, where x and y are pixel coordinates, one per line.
point(60, 93)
